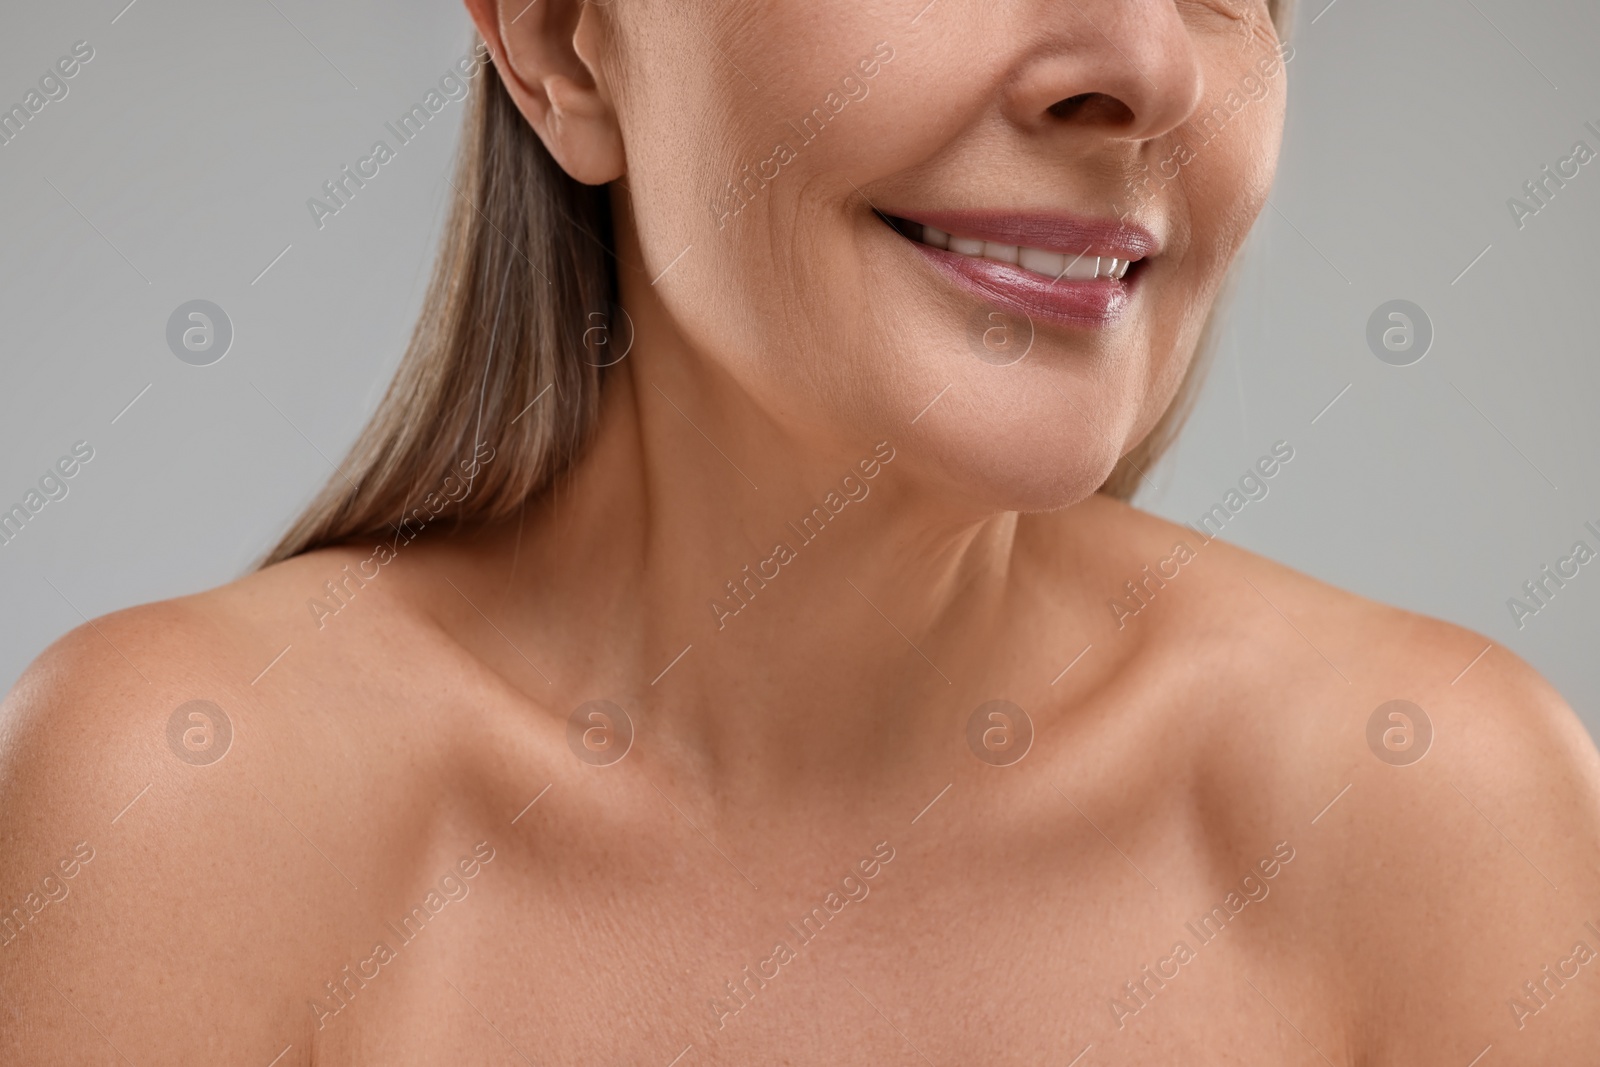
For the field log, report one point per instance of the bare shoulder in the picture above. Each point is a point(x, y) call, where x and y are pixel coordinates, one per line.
point(165, 774)
point(78, 709)
point(1442, 798)
point(91, 708)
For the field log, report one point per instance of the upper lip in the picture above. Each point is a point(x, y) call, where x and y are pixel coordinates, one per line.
point(1067, 234)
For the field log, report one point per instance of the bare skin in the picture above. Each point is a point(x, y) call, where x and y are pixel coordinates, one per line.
point(1209, 752)
point(1171, 760)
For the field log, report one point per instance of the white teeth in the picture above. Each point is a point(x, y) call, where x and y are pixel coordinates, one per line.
point(1002, 253)
point(1083, 268)
point(1052, 265)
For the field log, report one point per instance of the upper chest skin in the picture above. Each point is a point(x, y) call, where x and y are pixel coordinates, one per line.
point(1030, 913)
point(639, 909)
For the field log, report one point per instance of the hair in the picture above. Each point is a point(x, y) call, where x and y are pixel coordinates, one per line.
point(525, 380)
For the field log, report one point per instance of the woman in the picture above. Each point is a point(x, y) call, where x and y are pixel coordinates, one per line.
point(729, 642)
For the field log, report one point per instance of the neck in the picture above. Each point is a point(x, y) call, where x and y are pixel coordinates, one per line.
point(767, 596)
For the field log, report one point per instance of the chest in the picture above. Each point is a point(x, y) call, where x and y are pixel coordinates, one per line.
point(940, 949)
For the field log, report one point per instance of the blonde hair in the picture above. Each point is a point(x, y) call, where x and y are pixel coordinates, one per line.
point(505, 352)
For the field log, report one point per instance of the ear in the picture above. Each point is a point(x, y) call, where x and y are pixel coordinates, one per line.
point(547, 53)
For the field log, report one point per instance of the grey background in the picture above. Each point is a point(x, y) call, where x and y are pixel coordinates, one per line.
point(178, 167)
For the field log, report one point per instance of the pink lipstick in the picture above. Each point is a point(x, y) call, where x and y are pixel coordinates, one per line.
point(1056, 268)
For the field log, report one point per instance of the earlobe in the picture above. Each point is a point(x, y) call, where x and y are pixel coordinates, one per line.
point(548, 55)
point(581, 132)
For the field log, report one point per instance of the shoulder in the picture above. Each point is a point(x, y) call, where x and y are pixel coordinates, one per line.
point(90, 706)
point(1442, 798)
point(102, 679)
point(152, 692)
point(166, 773)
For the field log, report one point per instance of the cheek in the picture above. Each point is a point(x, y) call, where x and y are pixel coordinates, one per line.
point(741, 200)
point(1225, 186)
point(1236, 154)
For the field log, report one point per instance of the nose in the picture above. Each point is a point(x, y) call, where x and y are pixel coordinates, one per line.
point(1120, 69)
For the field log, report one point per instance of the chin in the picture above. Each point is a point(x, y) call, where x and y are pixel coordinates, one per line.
point(1013, 469)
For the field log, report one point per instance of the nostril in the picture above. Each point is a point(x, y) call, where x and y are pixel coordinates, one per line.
point(1097, 108)
point(1066, 109)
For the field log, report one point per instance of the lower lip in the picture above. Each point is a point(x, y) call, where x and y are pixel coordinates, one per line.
point(1095, 304)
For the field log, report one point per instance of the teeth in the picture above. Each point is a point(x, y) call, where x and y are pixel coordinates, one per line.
point(1002, 253)
point(1083, 268)
point(1052, 265)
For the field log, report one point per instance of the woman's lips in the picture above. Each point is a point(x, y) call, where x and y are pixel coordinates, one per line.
point(1065, 302)
point(1082, 271)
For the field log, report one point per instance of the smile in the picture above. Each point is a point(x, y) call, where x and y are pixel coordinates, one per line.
point(1058, 269)
point(1078, 267)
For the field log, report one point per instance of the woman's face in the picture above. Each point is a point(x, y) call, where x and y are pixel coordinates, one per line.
point(814, 178)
